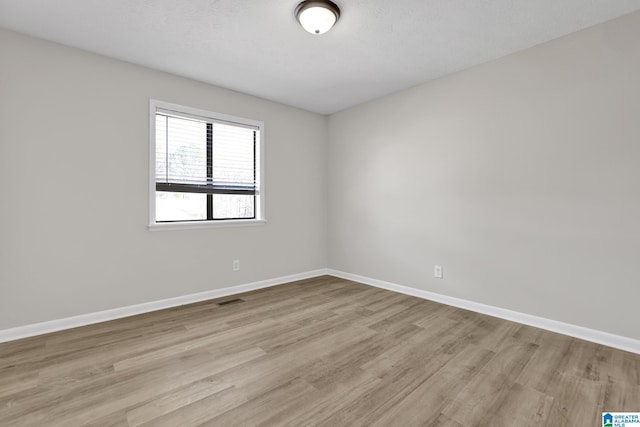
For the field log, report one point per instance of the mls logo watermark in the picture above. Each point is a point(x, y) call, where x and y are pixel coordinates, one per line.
point(621, 419)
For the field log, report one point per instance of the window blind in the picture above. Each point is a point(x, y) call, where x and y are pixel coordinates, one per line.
point(200, 155)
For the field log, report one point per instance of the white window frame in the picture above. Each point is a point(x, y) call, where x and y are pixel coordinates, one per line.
point(154, 106)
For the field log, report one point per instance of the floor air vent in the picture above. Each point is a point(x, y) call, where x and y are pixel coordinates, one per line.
point(231, 301)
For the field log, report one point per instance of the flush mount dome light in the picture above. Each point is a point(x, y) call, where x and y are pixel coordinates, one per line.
point(317, 16)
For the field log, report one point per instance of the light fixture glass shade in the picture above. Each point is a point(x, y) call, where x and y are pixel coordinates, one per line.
point(317, 17)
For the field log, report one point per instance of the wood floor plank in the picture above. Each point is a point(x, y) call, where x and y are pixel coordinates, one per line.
point(330, 399)
point(523, 406)
point(194, 345)
point(576, 404)
point(200, 411)
point(14, 381)
point(174, 400)
point(315, 352)
point(486, 391)
point(273, 403)
point(433, 394)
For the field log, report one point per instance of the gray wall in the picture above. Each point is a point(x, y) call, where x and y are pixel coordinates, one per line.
point(521, 177)
point(74, 143)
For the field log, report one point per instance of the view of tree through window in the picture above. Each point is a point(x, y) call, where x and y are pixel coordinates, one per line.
point(205, 169)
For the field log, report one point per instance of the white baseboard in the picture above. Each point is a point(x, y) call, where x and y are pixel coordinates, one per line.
point(593, 335)
point(117, 313)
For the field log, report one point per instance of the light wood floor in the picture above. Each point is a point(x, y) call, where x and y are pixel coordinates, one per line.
point(319, 352)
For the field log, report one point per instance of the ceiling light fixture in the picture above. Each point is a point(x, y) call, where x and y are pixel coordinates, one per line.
point(317, 16)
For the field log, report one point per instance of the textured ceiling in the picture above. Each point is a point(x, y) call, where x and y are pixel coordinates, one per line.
point(257, 47)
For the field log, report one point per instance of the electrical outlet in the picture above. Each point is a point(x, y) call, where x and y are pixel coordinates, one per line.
point(437, 271)
point(236, 265)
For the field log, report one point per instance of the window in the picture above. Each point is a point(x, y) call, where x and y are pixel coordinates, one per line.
point(205, 168)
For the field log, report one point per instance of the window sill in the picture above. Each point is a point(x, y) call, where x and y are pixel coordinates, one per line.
point(189, 225)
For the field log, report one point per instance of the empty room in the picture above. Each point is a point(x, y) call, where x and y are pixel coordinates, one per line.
point(320, 213)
